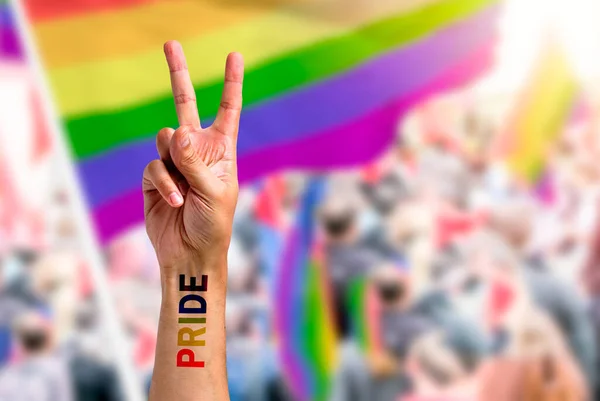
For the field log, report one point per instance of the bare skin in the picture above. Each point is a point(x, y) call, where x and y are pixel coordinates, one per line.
point(190, 194)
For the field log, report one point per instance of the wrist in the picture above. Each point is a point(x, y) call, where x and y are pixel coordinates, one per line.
point(209, 268)
point(193, 313)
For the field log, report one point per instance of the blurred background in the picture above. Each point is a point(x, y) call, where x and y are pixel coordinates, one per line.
point(418, 217)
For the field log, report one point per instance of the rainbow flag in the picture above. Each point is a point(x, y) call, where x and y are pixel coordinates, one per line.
point(304, 323)
point(543, 109)
point(10, 47)
point(364, 312)
point(326, 80)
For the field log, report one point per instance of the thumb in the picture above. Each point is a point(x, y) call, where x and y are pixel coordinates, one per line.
point(189, 162)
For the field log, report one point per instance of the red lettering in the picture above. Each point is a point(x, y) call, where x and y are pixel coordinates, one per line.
point(191, 359)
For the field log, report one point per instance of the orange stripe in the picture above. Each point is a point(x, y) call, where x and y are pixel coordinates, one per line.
point(43, 10)
point(133, 30)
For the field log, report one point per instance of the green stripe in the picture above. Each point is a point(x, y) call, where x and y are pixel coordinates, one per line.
point(93, 134)
point(357, 303)
point(192, 320)
point(314, 347)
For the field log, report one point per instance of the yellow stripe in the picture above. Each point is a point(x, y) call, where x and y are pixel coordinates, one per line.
point(120, 33)
point(552, 86)
point(114, 84)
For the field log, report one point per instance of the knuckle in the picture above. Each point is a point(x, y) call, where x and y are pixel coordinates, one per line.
point(154, 166)
point(164, 134)
point(179, 132)
point(178, 65)
point(148, 169)
point(227, 105)
point(184, 98)
point(150, 172)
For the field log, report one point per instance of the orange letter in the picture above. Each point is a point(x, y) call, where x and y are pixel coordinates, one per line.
point(191, 341)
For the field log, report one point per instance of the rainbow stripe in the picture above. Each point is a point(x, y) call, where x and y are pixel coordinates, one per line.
point(315, 79)
point(364, 312)
point(542, 113)
point(303, 316)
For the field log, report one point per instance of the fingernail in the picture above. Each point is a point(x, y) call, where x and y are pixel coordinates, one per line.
point(175, 199)
point(184, 142)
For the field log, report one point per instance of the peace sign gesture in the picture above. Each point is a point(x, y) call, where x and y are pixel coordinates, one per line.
point(190, 190)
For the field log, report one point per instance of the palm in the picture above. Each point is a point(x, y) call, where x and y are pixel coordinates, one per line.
point(204, 173)
point(175, 230)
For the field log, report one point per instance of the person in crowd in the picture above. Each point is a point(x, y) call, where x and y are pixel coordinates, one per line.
point(410, 230)
point(377, 374)
point(18, 278)
point(535, 364)
point(40, 374)
point(591, 280)
point(383, 193)
point(253, 371)
point(403, 318)
point(347, 257)
point(437, 373)
point(514, 222)
point(16, 297)
point(93, 377)
point(560, 299)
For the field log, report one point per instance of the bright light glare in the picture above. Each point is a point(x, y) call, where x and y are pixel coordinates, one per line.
point(578, 23)
point(526, 23)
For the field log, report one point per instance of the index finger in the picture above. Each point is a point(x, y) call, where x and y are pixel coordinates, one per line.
point(181, 85)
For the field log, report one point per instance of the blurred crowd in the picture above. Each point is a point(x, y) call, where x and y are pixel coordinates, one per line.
point(487, 285)
point(52, 344)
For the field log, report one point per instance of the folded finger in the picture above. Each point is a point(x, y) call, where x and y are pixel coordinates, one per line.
point(163, 142)
point(157, 177)
point(189, 163)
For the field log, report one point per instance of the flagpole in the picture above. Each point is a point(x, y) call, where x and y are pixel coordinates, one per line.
point(131, 386)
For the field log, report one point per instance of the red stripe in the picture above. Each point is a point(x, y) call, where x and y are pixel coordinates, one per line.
point(45, 10)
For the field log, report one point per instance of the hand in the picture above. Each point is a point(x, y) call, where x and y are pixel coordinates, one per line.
point(190, 191)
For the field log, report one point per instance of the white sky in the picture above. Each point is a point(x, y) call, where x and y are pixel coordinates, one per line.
point(575, 22)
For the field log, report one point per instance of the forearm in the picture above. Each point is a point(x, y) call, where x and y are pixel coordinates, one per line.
point(190, 359)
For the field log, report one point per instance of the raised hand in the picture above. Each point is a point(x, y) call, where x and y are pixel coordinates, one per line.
point(190, 190)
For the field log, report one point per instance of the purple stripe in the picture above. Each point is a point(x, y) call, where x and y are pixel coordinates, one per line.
point(6, 16)
point(10, 47)
point(299, 114)
point(358, 91)
point(292, 307)
point(362, 140)
point(286, 315)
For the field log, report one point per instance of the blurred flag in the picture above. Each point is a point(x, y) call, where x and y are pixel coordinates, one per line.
point(304, 322)
point(10, 47)
point(326, 79)
point(365, 313)
point(540, 115)
point(9, 204)
point(42, 140)
point(271, 227)
point(21, 220)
